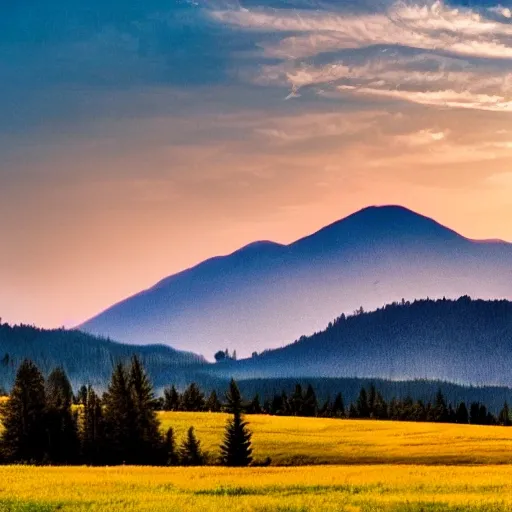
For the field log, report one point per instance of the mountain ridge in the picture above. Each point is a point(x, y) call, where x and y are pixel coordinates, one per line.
point(377, 255)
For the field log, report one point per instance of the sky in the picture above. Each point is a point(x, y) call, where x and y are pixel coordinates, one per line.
point(140, 138)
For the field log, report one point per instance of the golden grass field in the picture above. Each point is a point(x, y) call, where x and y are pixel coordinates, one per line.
point(375, 466)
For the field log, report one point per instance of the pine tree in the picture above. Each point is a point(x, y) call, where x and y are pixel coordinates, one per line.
point(172, 400)
point(61, 424)
point(170, 445)
point(440, 408)
point(213, 403)
point(363, 410)
point(297, 401)
point(379, 407)
point(190, 451)
point(147, 445)
point(461, 414)
point(193, 399)
point(338, 407)
point(372, 396)
point(93, 429)
point(120, 418)
point(236, 449)
point(310, 404)
point(23, 417)
point(504, 416)
point(255, 406)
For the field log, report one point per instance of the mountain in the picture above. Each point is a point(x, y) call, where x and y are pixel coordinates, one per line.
point(266, 294)
point(465, 341)
point(87, 359)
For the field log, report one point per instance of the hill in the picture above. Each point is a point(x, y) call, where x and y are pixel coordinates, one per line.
point(266, 294)
point(87, 359)
point(464, 341)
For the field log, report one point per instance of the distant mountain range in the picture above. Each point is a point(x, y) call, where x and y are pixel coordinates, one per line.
point(266, 295)
point(465, 341)
point(405, 348)
point(86, 359)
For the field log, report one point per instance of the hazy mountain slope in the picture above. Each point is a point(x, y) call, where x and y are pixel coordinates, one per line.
point(266, 294)
point(466, 341)
point(86, 359)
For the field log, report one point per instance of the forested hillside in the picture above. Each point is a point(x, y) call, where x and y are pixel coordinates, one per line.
point(86, 359)
point(464, 341)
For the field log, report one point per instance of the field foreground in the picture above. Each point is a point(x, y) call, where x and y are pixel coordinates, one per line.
point(373, 488)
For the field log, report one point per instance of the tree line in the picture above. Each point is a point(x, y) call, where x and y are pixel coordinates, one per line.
point(41, 426)
point(370, 404)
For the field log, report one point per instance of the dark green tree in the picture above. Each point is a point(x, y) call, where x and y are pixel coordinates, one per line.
point(297, 401)
point(170, 445)
point(310, 404)
point(461, 414)
point(61, 424)
point(363, 410)
point(93, 429)
point(172, 400)
point(504, 416)
point(147, 441)
point(190, 450)
point(23, 417)
point(338, 406)
point(379, 407)
point(255, 406)
point(440, 412)
point(193, 399)
point(236, 449)
point(120, 418)
point(213, 403)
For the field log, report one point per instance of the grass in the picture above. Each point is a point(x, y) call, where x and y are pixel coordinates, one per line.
point(373, 467)
point(297, 441)
point(386, 488)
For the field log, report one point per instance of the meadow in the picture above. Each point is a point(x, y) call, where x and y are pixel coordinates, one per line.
point(352, 466)
point(299, 441)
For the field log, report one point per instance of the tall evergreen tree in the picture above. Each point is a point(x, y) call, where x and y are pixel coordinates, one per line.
point(440, 408)
point(213, 403)
point(461, 414)
point(190, 451)
point(297, 401)
point(172, 400)
point(61, 424)
point(23, 417)
point(255, 406)
point(363, 410)
point(170, 444)
point(310, 404)
point(93, 429)
point(147, 443)
point(338, 406)
point(236, 449)
point(120, 418)
point(193, 399)
point(504, 416)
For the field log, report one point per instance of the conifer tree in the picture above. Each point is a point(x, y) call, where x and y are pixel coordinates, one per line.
point(23, 417)
point(504, 416)
point(297, 401)
point(171, 399)
point(363, 410)
point(440, 408)
point(170, 445)
point(372, 396)
point(338, 406)
point(61, 424)
point(461, 414)
point(93, 429)
point(255, 406)
point(120, 417)
point(190, 450)
point(236, 449)
point(310, 403)
point(193, 399)
point(213, 403)
point(379, 407)
point(147, 445)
